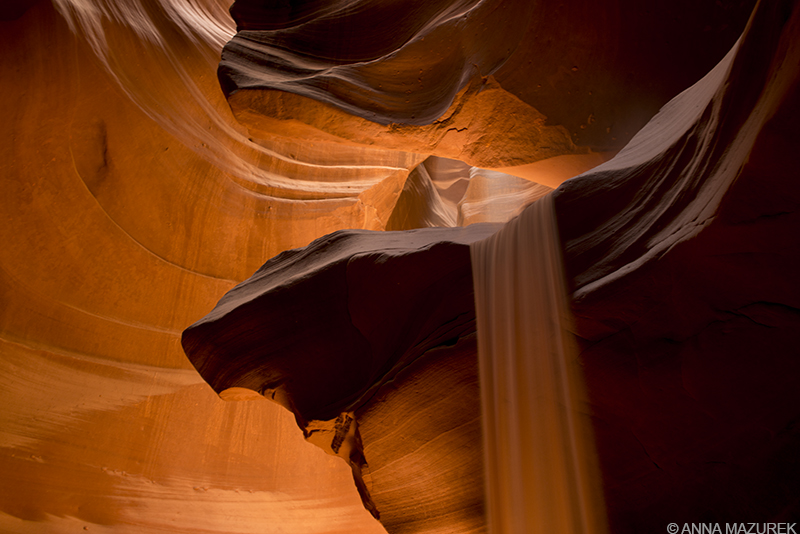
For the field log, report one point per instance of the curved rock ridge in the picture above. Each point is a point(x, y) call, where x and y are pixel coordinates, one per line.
point(485, 126)
point(341, 52)
point(442, 192)
point(690, 355)
point(195, 158)
point(362, 345)
point(133, 199)
point(666, 185)
point(600, 70)
point(421, 435)
point(369, 334)
point(431, 195)
point(683, 266)
point(182, 42)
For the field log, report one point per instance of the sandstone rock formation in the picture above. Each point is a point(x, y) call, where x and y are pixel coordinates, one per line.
point(682, 266)
point(135, 195)
point(132, 201)
point(599, 70)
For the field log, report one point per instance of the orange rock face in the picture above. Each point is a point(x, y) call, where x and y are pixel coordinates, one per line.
point(130, 206)
point(667, 259)
point(135, 195)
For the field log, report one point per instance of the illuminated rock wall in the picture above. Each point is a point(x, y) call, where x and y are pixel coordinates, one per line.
point(676, 249)
point(134, 197)
point(130, 206)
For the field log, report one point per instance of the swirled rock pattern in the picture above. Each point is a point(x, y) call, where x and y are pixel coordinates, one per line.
point(136, 193)
point(596, 70)
point(131, 202)
point(682, 269)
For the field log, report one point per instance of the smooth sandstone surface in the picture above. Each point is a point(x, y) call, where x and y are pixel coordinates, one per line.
point(134, 199)
point(681, 256)
point(593, 71)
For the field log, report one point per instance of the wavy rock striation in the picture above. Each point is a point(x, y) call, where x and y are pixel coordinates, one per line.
point(133, 199)
point(131, 202)
point(596, 70)
point(682, 259)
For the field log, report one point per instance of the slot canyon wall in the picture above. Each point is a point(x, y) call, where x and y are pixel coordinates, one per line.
point(157, 153)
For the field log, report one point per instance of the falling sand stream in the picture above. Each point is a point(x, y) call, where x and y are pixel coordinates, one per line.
point(541, 466)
